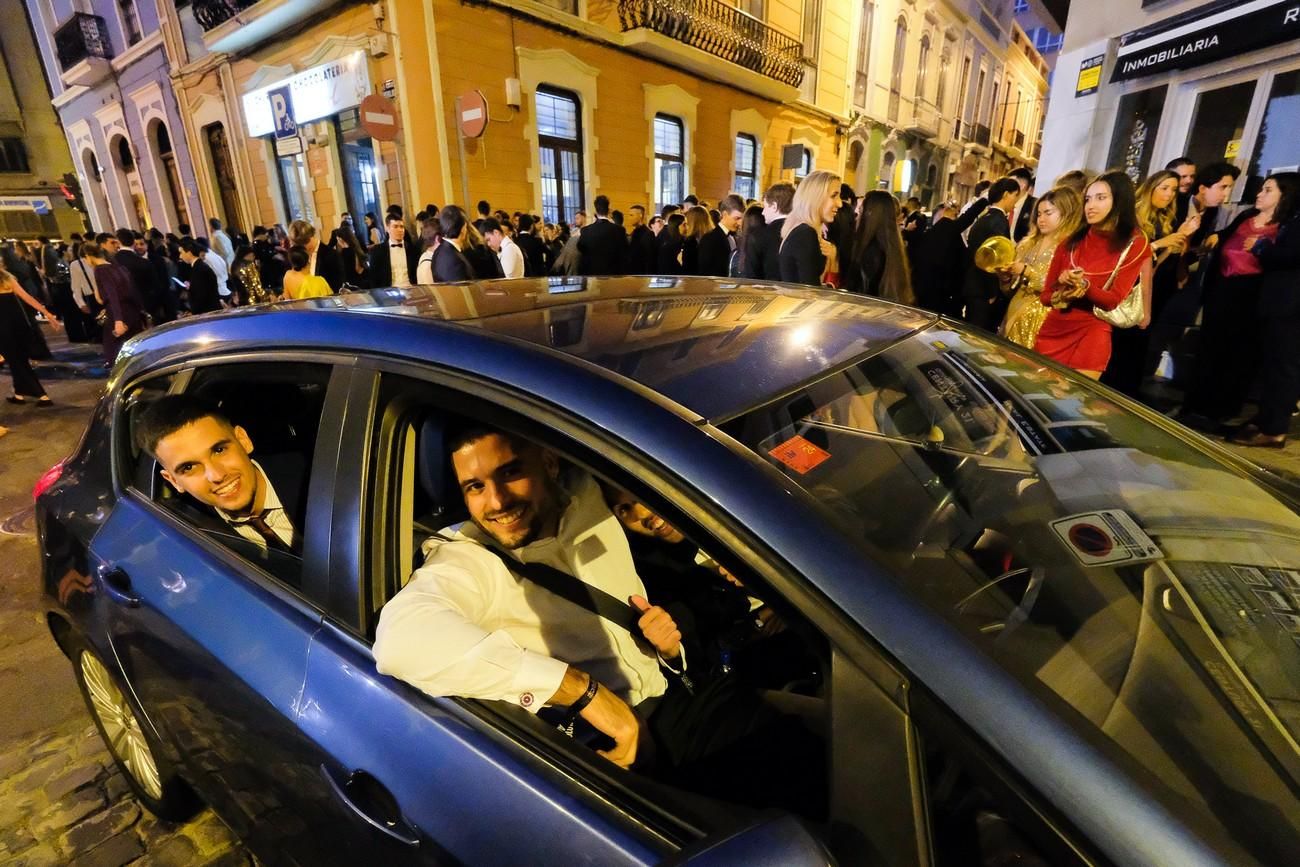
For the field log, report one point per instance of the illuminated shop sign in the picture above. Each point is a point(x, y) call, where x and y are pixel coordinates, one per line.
point(318, 92)
point(1223, 29)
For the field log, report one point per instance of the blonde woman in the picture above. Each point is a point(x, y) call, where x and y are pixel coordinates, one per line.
point(1058, 213)
point(698, 224)
point(805, 253)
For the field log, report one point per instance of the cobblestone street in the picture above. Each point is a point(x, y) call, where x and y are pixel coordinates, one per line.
point(62, 800)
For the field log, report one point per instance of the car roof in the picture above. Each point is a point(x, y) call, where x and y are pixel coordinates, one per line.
point(716, 346)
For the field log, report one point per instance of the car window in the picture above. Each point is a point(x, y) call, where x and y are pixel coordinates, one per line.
point(744, 646)
point(1091, 552)
point(279, 406)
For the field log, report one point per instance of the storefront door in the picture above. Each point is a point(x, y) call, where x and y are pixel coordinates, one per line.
point(358, 159)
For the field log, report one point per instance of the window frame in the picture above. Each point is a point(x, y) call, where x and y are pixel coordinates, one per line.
point(751, 173)
point(14, 159)
point(564, 210)
point(862, 73)
point(806, 164)
point(923, 67)
point(663, 159)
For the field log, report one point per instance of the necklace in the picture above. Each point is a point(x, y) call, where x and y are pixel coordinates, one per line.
point(1104, 272)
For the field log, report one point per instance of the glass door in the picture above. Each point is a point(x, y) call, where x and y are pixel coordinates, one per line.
point(1219, 123)
point(1277, 146)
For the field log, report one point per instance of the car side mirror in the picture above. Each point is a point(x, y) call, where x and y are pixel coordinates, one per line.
point(775, 839)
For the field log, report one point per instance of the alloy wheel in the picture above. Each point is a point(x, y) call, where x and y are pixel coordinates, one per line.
point(121, 726)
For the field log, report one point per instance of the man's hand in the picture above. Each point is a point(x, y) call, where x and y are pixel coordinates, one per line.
point(607, 714)
point(119, 328)
point(658, 627)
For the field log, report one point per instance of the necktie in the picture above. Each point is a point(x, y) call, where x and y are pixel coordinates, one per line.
point(258, 523)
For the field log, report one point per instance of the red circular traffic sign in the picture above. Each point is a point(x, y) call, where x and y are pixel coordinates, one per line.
point(472, 111)
point(379, 117)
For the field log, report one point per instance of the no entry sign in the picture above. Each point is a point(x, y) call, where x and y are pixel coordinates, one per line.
point(472, 109)
point(379, 117)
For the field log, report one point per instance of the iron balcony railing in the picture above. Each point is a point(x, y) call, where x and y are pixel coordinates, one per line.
point(81, 37)
point(213, 13)
point(721, 30)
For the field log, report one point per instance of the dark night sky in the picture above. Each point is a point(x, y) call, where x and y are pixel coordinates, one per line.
point(1058, 8)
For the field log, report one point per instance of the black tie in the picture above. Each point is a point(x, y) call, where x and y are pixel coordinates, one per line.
point(258, 523)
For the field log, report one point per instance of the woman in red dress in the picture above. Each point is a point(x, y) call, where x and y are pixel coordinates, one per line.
point(1082, 266)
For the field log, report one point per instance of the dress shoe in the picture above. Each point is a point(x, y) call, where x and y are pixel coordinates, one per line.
point(1258, 440)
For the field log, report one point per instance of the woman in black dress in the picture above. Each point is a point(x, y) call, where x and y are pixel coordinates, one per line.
point(14, 340)
point(805, 254)
point(880, 264)
point(669, 256)
point(121, 300)
point(698, 224)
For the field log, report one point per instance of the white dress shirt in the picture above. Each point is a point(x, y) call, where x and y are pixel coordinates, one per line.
point(273, 512)
point(512, 258)
point(467, 626)
point(83, 282)
point(397, 263)
point(222, 246)
point(424, 268)
point(218, 266)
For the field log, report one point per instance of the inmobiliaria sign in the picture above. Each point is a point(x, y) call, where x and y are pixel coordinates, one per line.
point(1223, 29)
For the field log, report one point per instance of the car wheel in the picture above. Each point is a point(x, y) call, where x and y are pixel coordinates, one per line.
point(135, 750)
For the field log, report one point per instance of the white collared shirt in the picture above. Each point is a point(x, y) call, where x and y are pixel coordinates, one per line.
point(218, 266)
point(467, 626)
point(397, 263)
point(512, 258)
point(273, 511)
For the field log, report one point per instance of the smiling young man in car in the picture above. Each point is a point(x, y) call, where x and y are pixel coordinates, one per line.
point(201, 453)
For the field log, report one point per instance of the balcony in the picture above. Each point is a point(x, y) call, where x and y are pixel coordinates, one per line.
point(235, 25)
point(717, 29)
point(925, 119)
point(983, 135)
point(83, 50)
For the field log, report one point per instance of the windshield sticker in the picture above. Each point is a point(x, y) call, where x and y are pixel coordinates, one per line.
point(800, 455)
point(1106, 538)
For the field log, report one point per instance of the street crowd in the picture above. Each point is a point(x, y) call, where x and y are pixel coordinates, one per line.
point(1106, 275)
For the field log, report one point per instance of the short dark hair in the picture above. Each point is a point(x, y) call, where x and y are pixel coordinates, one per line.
point(1215, 172)
point(452, 220)
point(163, 417)
point(102, 238)
point(525, 222)
point(602, 206)
point(125, 237)
point(465, 431)
point(184, 228)
point(1024, 174)
point(780, 194)
point(484, 207)
point(298, 257)
point(640, 208)
point(731, 203)
point(214, 223)
point(982, 186)
point(1178, 162)
point(1003, 187)
point(668, 210)
point(617, 217)
point(189, 246)
point(690, 200)
point(204, 243)
point(490, 224)
point(394, 218)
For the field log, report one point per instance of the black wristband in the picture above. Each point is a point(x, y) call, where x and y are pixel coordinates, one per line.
point(593, 686)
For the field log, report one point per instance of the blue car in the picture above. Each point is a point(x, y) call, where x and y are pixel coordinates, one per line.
point(1026, 619)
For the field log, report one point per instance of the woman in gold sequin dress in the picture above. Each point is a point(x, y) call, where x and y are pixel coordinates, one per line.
point(1058, 213)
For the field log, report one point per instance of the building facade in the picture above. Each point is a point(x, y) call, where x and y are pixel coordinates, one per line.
point(108, 64)
point(34, 161)
point(1140, 85)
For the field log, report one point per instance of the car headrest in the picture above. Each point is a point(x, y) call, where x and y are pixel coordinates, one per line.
point(433, 471)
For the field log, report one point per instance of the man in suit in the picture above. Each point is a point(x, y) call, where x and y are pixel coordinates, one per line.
point(985, 303)
point(940, 259)
point(203, 294)
point(641, 246)
point(531, 246)
point(449, 263)
point(717, 246)
point(1186, 171)
point(602, 246)
point(762, 251)
point(200, 452)
point(142, 274)
point(393, 261)
point(323, 261)
point(1022, 215)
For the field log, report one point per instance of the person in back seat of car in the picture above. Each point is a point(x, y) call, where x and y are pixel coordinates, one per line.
point(202, 453)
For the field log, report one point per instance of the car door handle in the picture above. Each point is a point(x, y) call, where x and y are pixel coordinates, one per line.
point(367, 798)
point(117, 584)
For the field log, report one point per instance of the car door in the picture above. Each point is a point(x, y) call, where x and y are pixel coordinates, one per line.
point(212, 634)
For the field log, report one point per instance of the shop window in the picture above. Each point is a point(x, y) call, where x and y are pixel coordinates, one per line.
point(13, 155)
point(1218, 123)
point(1136, 123)
point(1275, 148)
point(559, 141)
point(357, 156)
point(746, 182)
point(670, 165)
point(862, 82)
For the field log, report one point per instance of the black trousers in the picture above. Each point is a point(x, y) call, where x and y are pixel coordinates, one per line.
point(1279, 373)
point(14, 346)
point(1229, 348)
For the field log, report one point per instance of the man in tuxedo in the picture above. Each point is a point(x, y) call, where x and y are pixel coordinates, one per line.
point(641, 247)
point(717, 246)
point(203, 294)
point(323, 261)
point(985, 303)
point(1022, 215)
point(393, 261)
point(940, 259)
point(532, 248)
point(142, 273)
point(602, 247)
point(200, 452)
point(449, 263)
point(762, 251)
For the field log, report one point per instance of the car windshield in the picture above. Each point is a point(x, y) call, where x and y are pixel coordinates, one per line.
point(1089, 550)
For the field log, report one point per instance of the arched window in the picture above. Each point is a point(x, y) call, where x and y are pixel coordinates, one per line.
point(924, 69)
point(746, 181)
point(670, 160)
point(805, 165)
point(559, 142)
point(896, 77)
point(887, 171)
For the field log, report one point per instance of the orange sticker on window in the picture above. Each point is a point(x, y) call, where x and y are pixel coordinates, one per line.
point(799, 455)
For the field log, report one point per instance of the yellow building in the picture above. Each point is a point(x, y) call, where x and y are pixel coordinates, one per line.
point(644, 101)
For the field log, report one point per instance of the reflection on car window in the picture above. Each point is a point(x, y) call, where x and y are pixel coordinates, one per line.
point(1088, 550)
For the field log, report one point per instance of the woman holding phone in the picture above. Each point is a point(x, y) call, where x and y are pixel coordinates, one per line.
point(1097, 267)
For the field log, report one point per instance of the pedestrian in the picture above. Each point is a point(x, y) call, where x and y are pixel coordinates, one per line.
point(805, 254)
point(699, 223)
point(1075, 179)
point(508, 252)
point(1185, 170)
point(430, 235)
point(449, 262)
point(202, 293)
point(879, 265)
point(299, 282)
point(247, 274)
point(164, 273)
point(1097, 267)
point(940, 261)
point(122, 301)
point(1058, 214)
point(1022, 215)
point(323, 260)
point(752, 227)
point(719, 243)
point(483, 262)
point(984, 302)
point(373, 233)
point(669, 252)
point(602, 245)
point(1229, 349)
point(353, 256)
point(220, 242)
point(1279, 338)
point(17, 261)
point(641, 245)
point(86, 297)
point(762, 249)
point(14, 340)
point(394, 262)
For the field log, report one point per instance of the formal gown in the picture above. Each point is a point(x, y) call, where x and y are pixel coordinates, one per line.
point(15, 345)
point(1026, 311)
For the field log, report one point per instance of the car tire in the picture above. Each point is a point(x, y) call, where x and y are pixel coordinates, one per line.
point(133, 746)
